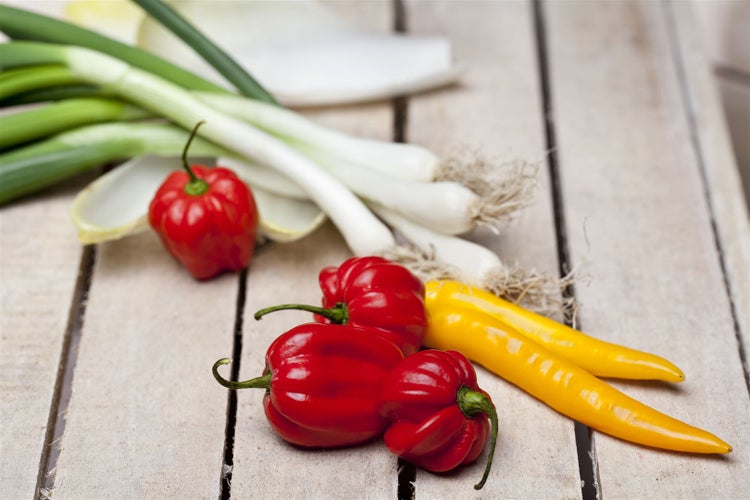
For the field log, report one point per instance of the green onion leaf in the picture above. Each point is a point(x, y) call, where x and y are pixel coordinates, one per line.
point(211, 52)
point(21, 24)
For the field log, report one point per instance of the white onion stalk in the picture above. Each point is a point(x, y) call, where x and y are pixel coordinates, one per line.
point(446, 207)
point(363, 232)
point(440, 256)
point(401, 160)
point(469, 194)
point(266, 178)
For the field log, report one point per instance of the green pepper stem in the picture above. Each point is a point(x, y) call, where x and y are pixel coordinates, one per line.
point(196, 186)
point(471, 403)
point(338, 314)
point(262, 382)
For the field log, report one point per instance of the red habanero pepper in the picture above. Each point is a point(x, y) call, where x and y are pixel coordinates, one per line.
point(440, 418)
point(374, 293)
point(206, 218)
point(322, 384)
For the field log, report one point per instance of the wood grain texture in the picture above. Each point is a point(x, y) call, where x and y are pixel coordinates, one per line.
point(724, 26)
point(39, 260)
point(653, 212)
point(146, 418)
point(264, 465)
point(714, 154)
point(629, 171)
point(496, 110)
point(735, 98)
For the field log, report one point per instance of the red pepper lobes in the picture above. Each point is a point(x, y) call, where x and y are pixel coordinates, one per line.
point(322, 384)
point(375, 293)
point(206, 218)
point(440, 418)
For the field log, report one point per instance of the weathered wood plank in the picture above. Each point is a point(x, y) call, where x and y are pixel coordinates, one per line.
point(497, 111)
point(714, 154)
point(39, 261)
point(32, 337)
point(264, 465)
point(636, 212)
point(145, 418)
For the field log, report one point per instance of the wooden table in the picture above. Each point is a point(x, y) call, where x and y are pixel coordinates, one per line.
point(107, 349)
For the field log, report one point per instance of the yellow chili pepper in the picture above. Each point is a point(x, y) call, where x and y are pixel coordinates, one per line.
point(559, 383)
point(600, 358)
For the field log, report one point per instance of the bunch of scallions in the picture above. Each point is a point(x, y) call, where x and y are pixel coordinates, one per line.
point(97, 101)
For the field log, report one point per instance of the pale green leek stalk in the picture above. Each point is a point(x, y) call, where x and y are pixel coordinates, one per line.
point(48, 94)
point(364, 233)
point(20, 80)
point(25, 126)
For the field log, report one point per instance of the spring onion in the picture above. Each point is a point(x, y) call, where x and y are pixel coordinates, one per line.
point(293, 165)
point(358, 163)
point(407, 161)
point(53, 94)
point(23, 79)
point(364, 233)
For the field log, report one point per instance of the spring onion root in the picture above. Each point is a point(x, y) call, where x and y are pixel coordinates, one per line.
point(434, 256)
point(504, 187)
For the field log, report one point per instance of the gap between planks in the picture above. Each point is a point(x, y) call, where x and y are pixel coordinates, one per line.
point(689, 105)
point(65, 372)
point(225, 488)
point(590, 484)
point(407, 472)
